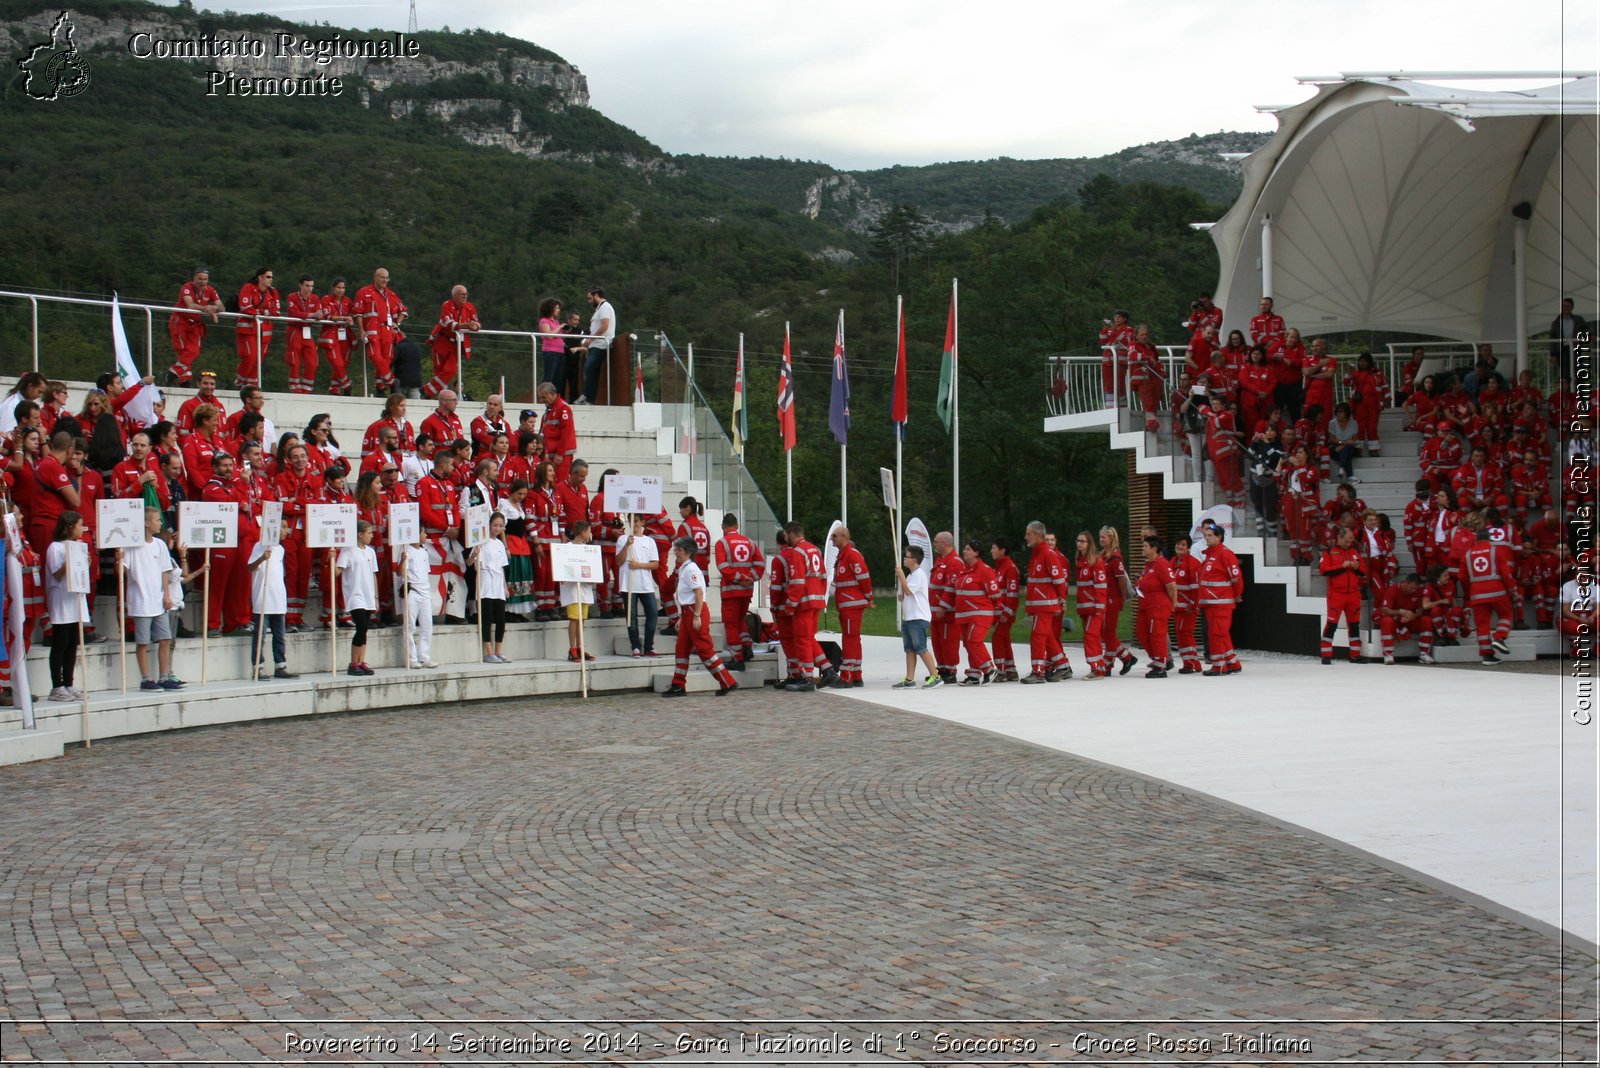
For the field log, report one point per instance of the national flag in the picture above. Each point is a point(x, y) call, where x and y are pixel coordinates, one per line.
point(741, 424)
point(947, 367)
point(142, 408)
point(900, 410)
point(786, 394)
point(839, 400)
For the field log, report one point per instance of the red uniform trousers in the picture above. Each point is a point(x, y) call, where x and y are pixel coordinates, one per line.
point(1580, 636)
point(186, 333)
point(850, 641)
point(1114, 376)
point(1044, 647)
point(1347, 605)
point(1492, 620)
point(785, 625)
point(1366, 414)
point(972, 632)
point(1298, 522)
point(946, 641)
point(1155, 615)
point(444, 373)
point(544, 578)
point(1150, 402)
point(735, 607)
point(301, 356)
point(230, 587)
point(698, 639)
point(606, 597)
point(297, 564)
point(669, 600)
point(380, 351)
point(1183, 621)
point(1420, 628)
point(1229, 478)
point(338, 353)
point(1005, 657)
point(1116, 648)
point(250, 353)
point(385, 578)
point(1094, 648)
point(1219, 636)
point(806, 650)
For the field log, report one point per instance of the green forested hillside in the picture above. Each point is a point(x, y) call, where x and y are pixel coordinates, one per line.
point(129, 186)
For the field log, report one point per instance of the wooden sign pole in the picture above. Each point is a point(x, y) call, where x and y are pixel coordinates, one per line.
point(122, 620)
point(583, 654)
point(255, 662)
point(331, 598)
point(83, 673)
point(205, 618)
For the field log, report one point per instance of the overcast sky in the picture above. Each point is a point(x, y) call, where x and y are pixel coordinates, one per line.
point(871, 83)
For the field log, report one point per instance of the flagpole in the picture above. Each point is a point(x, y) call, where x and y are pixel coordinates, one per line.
point(955, 405)
point(900, 433)
point(788, 453)
point(843, 480)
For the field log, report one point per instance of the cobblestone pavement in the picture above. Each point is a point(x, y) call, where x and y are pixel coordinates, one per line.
point(629, 866)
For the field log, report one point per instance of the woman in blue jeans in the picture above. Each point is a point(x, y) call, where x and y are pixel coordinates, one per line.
point(638, 567)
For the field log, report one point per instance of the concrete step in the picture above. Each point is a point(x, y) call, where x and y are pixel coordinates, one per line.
point(756, 674)
point(1523, 648)
point(23, 747)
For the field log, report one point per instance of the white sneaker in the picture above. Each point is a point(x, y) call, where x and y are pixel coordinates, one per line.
point(1424, 658)
point(59, 694)
point(429, 664)
point(74, 693)
point(1388, 660)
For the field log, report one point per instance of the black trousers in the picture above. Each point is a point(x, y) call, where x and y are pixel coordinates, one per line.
point(492, 620)
point(63, 654)
point(362, 618)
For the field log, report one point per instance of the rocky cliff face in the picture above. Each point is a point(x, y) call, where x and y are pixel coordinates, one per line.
point(845, 200)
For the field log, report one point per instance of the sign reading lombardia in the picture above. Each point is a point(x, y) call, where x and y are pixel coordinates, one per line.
point(208, 524)
point(245, 51)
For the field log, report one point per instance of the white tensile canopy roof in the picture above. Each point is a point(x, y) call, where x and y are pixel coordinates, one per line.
point(1391, 203)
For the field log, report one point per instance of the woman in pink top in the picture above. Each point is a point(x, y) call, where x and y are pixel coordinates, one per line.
point(554, 346)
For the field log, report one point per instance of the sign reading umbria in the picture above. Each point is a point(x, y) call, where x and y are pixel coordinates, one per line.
point(246, 48)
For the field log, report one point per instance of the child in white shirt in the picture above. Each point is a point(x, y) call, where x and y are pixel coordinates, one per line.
point(419, 602)
point(269, 600)
point(149, 603)
point(491, 558)
point(576, 597)
point(358, 576)
point(67, 610)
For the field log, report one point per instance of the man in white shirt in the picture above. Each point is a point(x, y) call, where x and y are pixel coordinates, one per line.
point(603, 325)
point(638, 571)
point(694, 625)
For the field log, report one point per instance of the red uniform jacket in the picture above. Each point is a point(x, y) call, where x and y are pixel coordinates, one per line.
point(444, 331)
point(252, 302)
point(976, 591)
point(1342, 582)
point(1153, 583)
point(444, 429)
point(297, 491)
point(198, 452)
point(440, 513)
point(695, 528)
point(483, 434)
point(1047, 581)
point(942, 585)
point(402, 427)
point(1491, 573)
point(1091, 586)
point(807, 583)
point(332, 307)
point(186, 412)
point(375, 308)
point(574, 505)
point(1186, 576)
point(1266, 329)
point(559, 430)
point(739, 562)
point(852, 582)
point(1009, 581)
point(1221, 580)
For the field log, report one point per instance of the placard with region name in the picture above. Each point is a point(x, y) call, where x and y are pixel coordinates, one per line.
point(208, 524)
point(577, 563)
point(633, 494)
point(476, 529)
point(330, 526)
point(405, 523)
point(271, 522)
point(78, 567)
point(119, 522)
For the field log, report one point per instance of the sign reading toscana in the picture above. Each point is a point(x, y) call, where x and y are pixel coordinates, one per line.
point(278, 46)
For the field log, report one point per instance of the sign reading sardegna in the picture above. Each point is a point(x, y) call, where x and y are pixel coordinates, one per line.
point(320, 51)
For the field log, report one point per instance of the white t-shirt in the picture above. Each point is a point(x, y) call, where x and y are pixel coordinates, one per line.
point(175, 581)
point(359, 577)
point(64, 607)
point(642, 549)
point(492, 570)
point(605, 314)
point(268, 594)
point(412, 468)
point(690, 579)
point(147, 566)
point(419, 571)
point(576, 593)
point(914, 603)
point(1578, 601)
point(8, 412)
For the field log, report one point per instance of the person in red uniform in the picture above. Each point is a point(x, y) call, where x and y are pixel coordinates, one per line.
point(1530, 484)
point(297, 486)
point(852, 594)
point(1118, 588)
point(443, 424)
point(438, 496)
point(1478, 483)
point(1439, 456)
point(230, 582)
point(1418, 518)
point(56, 492)
point(1343, 568)
point(394, 415)
point(1009, 584)
point(1401, 615)
point(1185, 566)
point(1222, 444)
point(807, 593)
point(301, 350)
point(1221, 591)
point(1287, 356)
point(1197, 358)
point(606, 527)
point(1146, 376)
point(1539, 576)
point(1266, 328)
point(976, 591)
point(252, 336)
point(381, 312)
point(141, 470)
point(458, 318)
point(186, 328)
point(741, 565)
point(335, 490)
point(1044, 603)
point(945, 638)
point(1375, 542)
point(200, 448)
point(1115, 337)
point(695, 633)
point(1319, 371)
point(1158, 594)
point(1300, 509)
point(543, 508)
point(1090, 594)
point(1369, 396)
point(484, 427)
point(207, 395)
point(559, 429)
point(1491, 592)
point(1202, 314)
point(338, 336)
point(783, 612)
point(1256, 385)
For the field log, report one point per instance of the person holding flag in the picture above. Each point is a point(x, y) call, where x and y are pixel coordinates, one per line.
point(135, 407)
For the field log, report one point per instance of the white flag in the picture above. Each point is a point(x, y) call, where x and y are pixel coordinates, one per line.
point(142, 408)
point(21, 692)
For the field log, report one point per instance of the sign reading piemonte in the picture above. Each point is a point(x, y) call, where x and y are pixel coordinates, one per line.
point(633, 494)
point(119, 523)
point(208, 524)
point(330, 526)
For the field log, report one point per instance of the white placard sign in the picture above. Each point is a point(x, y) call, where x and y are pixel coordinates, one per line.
point(577, 563)
point(887, 477)
point(330, 526)
point(271, 522)
point(208, 524)
point(633, 494)
point(78, 567)
point(476, 530)
point(119, 522)
point(405, 523)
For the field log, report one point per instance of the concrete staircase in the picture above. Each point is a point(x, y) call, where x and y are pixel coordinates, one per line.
point(640, 439)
